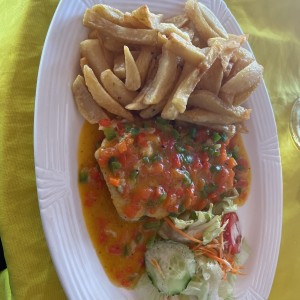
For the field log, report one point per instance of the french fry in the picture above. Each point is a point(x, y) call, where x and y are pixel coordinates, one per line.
point(86, 105)
point(109, 13)
point(83, 61)
point(143, 62)
point(241, 59)
point(116, 88)
point(102, 97)
point(170, 111)
point(144, 16)
point(241, 82)
point(137, 103)
point(209, 101)
point(94, 53)
point(161, 40)
point(212, 78)
point(179, 20)
point(169, 28)
point(213, 21)
point(185, 49)
point(188, 31)
point(133, 77)
point(113, 45)
point(198, 42)
point(119, 64)
point(109, 56)
point(240, 98)
point(164, 78)
point(199, 117)
point(93, 20)
point(185, 89)
point(133, 22)
point(201, 21)
point(93, 34)
point(153, 110)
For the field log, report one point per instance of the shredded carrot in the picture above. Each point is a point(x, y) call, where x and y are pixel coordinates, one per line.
point(211, 255)
point(198, 235)
point(114, 181)
point(171, 224)
point(222, 244)
point(156, 265)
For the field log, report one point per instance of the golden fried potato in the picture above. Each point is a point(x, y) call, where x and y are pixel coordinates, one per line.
point(179, 20)
point(83, 61)
point(167, 29)
point(199, 116)
point(143, 61)
point(241, 59)
point(119, 64)
point(185, 88)
point(133, 77)
point(241, 82)
point(93, 20)
point(209, 101)
point(153, 110)
point(116, 88)
point(212, 78)
point(164, 79)
point(203, 21)
point(170, 111)
point(240, 98)
point(137, 103)
point(113, 45)
point(133, 22)
point(109, 13)
point(185, 49)
point(86, 105)
point(93, 34)
point(102, 97)
point(94, 53)
point(144, 16)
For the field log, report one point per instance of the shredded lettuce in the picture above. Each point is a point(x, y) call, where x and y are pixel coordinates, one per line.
point(205, 284)
point(226, 205)
point(213, 229)
point(202, 221)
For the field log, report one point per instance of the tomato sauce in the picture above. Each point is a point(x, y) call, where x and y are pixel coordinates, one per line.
point(159, 168)
point(121, 245)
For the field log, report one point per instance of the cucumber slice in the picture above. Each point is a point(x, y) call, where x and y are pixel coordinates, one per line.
point(170, 266)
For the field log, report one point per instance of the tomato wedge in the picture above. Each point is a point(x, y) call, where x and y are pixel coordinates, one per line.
point(232, 233)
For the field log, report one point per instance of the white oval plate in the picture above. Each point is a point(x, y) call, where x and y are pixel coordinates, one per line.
point(57, 126)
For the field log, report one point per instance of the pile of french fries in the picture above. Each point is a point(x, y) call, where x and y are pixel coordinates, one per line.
point(185, 68)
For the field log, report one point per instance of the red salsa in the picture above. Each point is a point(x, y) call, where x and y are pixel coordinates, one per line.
point(160, 168)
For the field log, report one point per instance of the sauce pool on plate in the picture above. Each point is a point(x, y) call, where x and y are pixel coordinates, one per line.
point(121, 245)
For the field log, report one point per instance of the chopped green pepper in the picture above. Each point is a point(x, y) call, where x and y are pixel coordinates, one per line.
point(188, 159)
point(179, 148)
point(193, 133)
point(146, 160)
point(83, 175)
point(216, 137)
point(133, 175)
point(186, 178)
point(114, 164)
point(109, 133)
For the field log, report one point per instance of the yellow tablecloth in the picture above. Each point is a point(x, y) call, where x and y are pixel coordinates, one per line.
point(275, 38)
